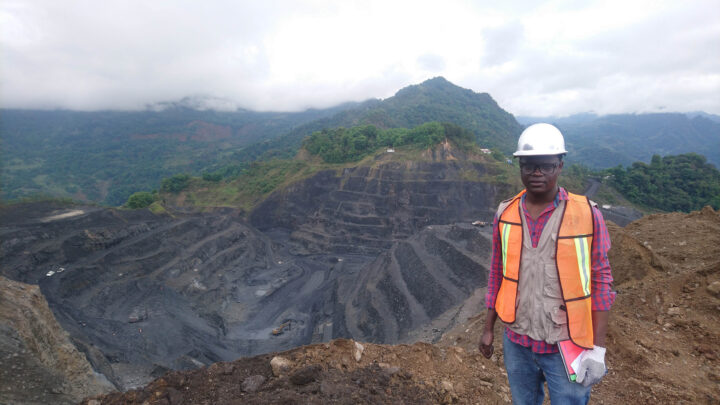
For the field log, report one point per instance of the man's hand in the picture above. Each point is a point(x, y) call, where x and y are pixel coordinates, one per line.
point(486, 340)
point(592, 366)
point(486, 343)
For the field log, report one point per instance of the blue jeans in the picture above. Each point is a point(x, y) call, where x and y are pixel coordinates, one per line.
point(527, 371)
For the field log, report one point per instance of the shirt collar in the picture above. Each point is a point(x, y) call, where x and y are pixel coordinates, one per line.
point(562, 195)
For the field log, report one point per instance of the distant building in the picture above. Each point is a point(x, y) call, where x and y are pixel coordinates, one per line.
point(390, 150)
point(485, 151)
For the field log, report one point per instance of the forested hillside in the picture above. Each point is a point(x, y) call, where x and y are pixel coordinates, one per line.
point(342, 145)
point(105, 156)
point(433, 100)
point(670, 183)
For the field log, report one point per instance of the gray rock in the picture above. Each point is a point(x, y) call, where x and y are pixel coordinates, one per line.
point(138, 315)
point(306, 375)
point(253, 383)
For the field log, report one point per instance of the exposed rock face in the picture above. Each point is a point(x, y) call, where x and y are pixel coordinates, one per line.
point(364, 209)
point(39, 363)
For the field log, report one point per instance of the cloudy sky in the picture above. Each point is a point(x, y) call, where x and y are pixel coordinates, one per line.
point(533, 57)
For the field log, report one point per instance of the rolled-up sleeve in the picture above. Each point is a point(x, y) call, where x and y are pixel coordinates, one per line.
point(602, 294)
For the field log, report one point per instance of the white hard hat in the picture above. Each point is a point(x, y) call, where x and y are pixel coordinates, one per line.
point(540, 139)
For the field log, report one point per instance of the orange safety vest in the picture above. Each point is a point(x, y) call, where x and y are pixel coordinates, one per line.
point(572, 258)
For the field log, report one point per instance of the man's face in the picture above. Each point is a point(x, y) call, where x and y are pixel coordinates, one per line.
point(539, 174)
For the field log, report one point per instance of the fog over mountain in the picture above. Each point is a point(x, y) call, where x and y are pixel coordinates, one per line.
point(105, 156)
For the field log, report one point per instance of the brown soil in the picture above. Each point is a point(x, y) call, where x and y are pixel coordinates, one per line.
point(665, 332)
point(662, 344)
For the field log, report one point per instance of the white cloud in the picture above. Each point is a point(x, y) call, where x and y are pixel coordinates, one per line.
point(431, 63)
point(534, 57)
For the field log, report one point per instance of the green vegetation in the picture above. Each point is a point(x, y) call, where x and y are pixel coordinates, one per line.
point(263, 177)
point(157, 208)
point(212, 176)
point(341, 145)
point(38, 197)
point(141, 199)
point(671, 183)
point(250, 186)
point(105, 156)
point(176, 183)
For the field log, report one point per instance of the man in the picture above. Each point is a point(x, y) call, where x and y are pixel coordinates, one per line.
point(550, 278)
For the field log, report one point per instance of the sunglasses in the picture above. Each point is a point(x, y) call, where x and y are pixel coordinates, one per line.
point(545, 168)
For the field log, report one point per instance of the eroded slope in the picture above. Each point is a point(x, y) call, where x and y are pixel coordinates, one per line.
point(39, 362)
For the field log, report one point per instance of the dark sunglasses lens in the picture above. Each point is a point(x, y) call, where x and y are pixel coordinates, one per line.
point(545, 168)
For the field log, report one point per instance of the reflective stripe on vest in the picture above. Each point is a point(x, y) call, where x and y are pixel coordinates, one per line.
point(573, 251)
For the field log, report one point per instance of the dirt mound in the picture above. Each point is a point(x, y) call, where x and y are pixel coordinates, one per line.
point(632, 259)
point(662, 345)
point(339, 372)
point(665, 328)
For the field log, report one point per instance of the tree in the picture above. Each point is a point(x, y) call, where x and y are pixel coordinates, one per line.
point(212, 176)
point(176, 183)
point(141, 199)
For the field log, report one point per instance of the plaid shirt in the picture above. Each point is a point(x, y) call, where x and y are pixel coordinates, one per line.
point(602, 294)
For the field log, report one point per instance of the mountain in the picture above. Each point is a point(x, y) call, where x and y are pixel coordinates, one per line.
point(711, 117)
point(611, 140)
point(433, 100)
